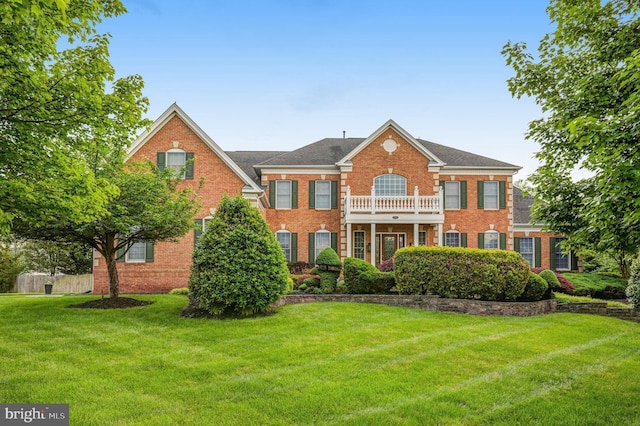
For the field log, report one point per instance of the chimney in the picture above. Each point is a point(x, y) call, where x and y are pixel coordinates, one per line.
point(344, 134)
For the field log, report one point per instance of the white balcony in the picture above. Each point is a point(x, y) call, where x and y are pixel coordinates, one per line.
point(373, 204)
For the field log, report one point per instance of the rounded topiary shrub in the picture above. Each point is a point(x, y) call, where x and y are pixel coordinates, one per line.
point(461, 273)
point(633, 289)
point(535, 289)
point(328, 268)
point(551, 279)
point(238, 266)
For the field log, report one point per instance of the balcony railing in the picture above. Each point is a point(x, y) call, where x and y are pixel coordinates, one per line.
point(373, 204)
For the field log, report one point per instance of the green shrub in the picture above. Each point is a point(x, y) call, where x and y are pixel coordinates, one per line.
point(11, 265)
point(238, 266)
point(633, 290)
point(341, 287)
point(329, 257)
point(461, 273)
point(360, 277)
point(310, 284)
point(535, 289)
point(182, 291)
point(551, 279)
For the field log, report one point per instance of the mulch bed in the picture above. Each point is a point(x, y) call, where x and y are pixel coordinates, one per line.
point(111, 303)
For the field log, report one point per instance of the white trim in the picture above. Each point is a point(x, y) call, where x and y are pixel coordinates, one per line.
point(175, 111)
point(298, 170)
point(475, 171)
point(390, 124)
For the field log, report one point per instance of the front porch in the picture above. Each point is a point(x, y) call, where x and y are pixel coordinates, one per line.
point(376, 226)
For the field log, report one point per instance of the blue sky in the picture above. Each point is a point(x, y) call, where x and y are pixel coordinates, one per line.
point(279, 74)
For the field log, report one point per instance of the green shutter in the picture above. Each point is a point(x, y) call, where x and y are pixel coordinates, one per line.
point(481, 240)
point(334, 194)
point(161, 160)
point(480, 194)
point(516, 244)
point(272, 194)
point(502, 194)
point(312, 247)
point(552, 253)
point(189, 172)
point(503, 241)
point(312, 194)
point(334, 241)
point(197, 231)
point(149, 252)
point(294, 194)
point(538, 252)
point(463, 194)
point(574, 262)
point(120, 255)
point(463, 239)
point(294, 247)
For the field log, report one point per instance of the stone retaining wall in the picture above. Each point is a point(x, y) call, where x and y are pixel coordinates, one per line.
point(431, 303)
point(600, 308)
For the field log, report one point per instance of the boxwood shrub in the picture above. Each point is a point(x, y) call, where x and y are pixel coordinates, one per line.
point(461, 273)
point(535, 289)
point(361, 277)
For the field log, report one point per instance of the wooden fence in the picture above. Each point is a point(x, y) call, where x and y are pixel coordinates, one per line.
point(34, 283)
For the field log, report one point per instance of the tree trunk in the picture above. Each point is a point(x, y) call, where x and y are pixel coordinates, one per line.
point(114, 283)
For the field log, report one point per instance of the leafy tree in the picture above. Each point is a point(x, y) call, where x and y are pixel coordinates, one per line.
point(60, 107)
point(11, 265)
point(585, 76)
point(238, 265)
point(150, 206)
point(56, 257)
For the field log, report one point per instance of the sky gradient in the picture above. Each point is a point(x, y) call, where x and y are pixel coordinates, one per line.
point(280, 74)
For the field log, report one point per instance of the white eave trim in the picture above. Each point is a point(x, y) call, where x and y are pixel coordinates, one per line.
point(175, 110)
point(298, 170)
point(391, 124)
point(471, 170)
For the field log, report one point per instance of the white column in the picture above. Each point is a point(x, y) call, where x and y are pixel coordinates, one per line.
point(416, 235)
point(373, 243)
point(440, 235)
point(349, 253)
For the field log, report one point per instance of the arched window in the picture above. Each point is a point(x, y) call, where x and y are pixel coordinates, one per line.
point(491, 240)
point(452, 239)
point(284, 238)
point(176, 160)
point(390, 184)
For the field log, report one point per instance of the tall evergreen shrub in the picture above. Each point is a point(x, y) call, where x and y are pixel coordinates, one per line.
point(238, 266)
point(633, 289)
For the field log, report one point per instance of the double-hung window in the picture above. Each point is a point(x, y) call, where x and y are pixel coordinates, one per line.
point(137, 252)
point(491, 240)
point(176, 160)
point(452, 239)
point(452, 195)
point(284, 238)
point(323, 240)
point(491, 195)
point(563, 261)
point(527, 249)
point(283, 194)
point(323, 194)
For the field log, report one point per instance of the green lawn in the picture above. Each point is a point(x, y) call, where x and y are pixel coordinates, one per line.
point(322, 363)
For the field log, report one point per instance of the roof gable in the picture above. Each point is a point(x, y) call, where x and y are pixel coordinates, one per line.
point(175, 111)
point(390, 124)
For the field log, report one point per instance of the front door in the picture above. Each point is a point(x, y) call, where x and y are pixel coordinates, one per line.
point(387, 245)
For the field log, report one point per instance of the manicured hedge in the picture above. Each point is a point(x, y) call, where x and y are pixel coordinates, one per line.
point(461, 273)
point(535, 289)
point(361, 277)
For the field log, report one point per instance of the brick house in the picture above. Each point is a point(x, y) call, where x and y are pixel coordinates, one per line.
point(365, 197)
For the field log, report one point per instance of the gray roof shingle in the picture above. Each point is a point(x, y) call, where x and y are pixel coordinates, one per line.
point(247, 159)
point(521, 206)
point(329, 151)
